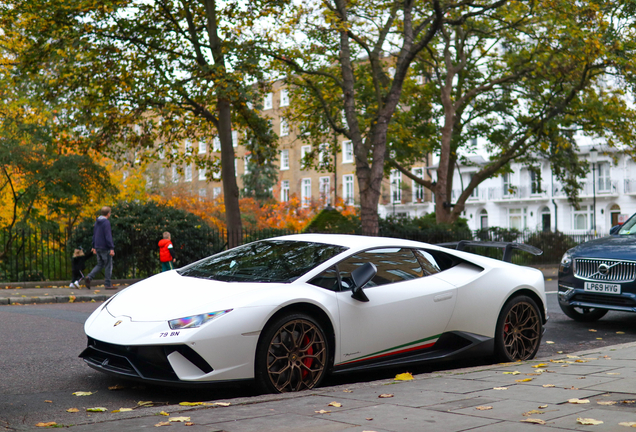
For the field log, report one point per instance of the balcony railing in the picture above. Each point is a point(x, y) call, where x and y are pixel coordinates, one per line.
point(515, 193)
point(587, 190)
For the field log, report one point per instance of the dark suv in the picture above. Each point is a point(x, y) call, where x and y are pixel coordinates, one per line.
point(600, 275)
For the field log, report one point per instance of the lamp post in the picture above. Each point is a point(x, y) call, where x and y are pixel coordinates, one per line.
point(593, 159)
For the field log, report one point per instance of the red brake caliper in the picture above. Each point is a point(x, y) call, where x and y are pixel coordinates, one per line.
point(307, 361)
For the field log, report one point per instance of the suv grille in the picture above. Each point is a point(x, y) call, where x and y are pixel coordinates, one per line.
point(605, 270)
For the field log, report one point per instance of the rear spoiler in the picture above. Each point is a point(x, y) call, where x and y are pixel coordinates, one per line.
point(508, 247)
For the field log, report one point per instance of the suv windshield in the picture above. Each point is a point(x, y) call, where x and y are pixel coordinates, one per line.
point(628, 227)
point(263, 261)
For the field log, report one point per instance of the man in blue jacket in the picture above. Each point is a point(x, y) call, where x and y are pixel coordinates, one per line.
point(104, 248)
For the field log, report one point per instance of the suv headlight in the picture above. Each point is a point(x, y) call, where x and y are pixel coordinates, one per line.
point(196, 320)
point(566, 261)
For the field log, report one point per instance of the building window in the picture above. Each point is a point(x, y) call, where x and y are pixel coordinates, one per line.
point(235, 167)
point(234, 138)
point(188, 173)
point(535, 183)
point(202, 174)
point(216, 144)
point(203, 147)
point(175, 175)
point(323, 155)
point(347, 181)
point(508, 188)
point(284, 191)
point(604, 179)
point(188, 146)
point(216, 192)
point(284, 159)
point(162, 153)
point(284, 97)
point(517, 218)
point(202, 192)
point(483, 219)
point(418, 189)
point(305, 192)
point(325, 190)
point(304, 151)
point(267, 101)
point(246, 169)
point(216, 175)
point(396, 187)
point(162, 176)
point(347, 152)
point(284, 127)
point(582, 218)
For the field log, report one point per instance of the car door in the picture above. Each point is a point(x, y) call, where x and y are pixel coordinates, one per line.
point(408, 307)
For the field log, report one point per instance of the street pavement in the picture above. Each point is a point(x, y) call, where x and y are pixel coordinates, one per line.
point(567, 392)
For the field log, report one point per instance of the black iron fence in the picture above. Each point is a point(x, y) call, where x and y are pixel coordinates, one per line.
point(38, 255)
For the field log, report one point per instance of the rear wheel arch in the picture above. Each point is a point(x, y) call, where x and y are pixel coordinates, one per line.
point(533, 295)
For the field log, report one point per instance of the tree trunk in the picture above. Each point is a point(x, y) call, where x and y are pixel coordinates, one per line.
point(228, 173)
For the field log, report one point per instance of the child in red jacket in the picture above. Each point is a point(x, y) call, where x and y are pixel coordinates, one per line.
point(165, 252)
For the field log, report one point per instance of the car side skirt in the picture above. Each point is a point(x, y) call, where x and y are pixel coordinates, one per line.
point(447, 346)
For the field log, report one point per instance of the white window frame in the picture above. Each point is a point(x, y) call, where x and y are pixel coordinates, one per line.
point(348, 191)
point(188, 146)
point(235, 167)
point(203, 192)
point(284, 127)
point(603, 177)
point(347, 152)
point(305, 192)
point(582, 219)
point(284, 97)
point(304, 150)
point(234, 138)
point(202, 176)
point(216, 144)
point(175, 175)
point(284, 159)
point(323, 155)
point(216, 192)
point(396, 187)
point(246, 169)
point(507, 184)
point(188, 173)
point(203, 147)
point(518, 213)
point(268, 101)
point(284, 191)
point(325, 189)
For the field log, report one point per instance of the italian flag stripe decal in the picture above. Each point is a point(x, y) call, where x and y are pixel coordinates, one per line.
point(411, 346)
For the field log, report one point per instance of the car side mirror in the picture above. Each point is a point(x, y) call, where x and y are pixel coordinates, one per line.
point(615, 229)
point(360, 277)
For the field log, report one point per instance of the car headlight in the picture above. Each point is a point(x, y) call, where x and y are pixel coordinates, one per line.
point(196, 320)
point(566, 260)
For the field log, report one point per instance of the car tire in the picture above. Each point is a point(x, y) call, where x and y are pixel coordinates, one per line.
point(519, 330)
point(585, 314)
point(292, 354)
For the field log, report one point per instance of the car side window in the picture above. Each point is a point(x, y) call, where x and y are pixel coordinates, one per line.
point(427, 261)
point(393, 264)
point(328, 279)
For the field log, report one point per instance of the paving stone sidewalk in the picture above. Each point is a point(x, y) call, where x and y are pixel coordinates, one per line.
point(555, 394)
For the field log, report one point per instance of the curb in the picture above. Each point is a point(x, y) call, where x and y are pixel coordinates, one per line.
point(55, 299)
point(64, 283)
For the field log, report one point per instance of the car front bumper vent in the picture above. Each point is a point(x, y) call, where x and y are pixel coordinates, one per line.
point(617, 271)
point(146, 362)
point(603, 300)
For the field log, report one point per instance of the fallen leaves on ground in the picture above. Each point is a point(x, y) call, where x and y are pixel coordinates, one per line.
point(612, 373)
point(593, 331)
point(531, 412)
point(578, 401)
point(48, 401)
point(322, 412)
point(72, 410)
point(524, 380)
point(121, 410)
point(47, 424)
point(500, 388)
point(179, 419)
point(534, 421)
point(540, 365)
point(542, 406)
point(549, 342)
point(82, 393)
point(548, 385)
point(189, 424)
point(512, 373)
point(117, 387)
point(97, 409)
point(145, 403)
point(620, 332)
point(557, 361)
point(606, 402)
point(628, 424)
point(71, 299)
point(335, 404)
point(483, 407)
point(406, 376)
point(162, 424)
point(572, 356)
point(163, 413)
point(589, 421)
point(386, 395)
point(347, 391)
point(628, 401)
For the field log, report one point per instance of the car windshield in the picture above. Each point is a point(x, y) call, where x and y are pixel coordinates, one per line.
point(263, 261)
point(628, 227)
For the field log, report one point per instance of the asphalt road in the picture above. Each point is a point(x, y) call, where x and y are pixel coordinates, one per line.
point(40, 369)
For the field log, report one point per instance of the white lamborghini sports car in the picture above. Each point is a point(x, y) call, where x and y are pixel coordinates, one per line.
point(288, 310)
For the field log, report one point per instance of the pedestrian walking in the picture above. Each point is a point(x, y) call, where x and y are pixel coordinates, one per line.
point(104, 248)
point(79, 264)
point(166, 252)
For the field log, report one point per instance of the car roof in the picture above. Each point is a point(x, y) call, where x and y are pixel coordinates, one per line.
point(352, 241)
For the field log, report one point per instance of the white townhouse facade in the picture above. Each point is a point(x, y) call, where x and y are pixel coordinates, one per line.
point(525, 201)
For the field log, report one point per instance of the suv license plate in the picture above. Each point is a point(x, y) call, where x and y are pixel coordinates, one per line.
point(604, 288)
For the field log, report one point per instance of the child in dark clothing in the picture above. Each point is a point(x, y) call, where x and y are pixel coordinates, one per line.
point(79, 264)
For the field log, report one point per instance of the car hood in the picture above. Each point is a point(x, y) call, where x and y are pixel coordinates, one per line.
point(169, 295)
point(611, 247)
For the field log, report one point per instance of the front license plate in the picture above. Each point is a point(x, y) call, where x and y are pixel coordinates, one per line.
point(604, 288)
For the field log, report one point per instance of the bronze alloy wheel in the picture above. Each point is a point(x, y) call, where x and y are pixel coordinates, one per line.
point(522, 331)
point(296, 356)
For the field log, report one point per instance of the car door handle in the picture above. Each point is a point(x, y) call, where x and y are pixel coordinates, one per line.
point(442, 297)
